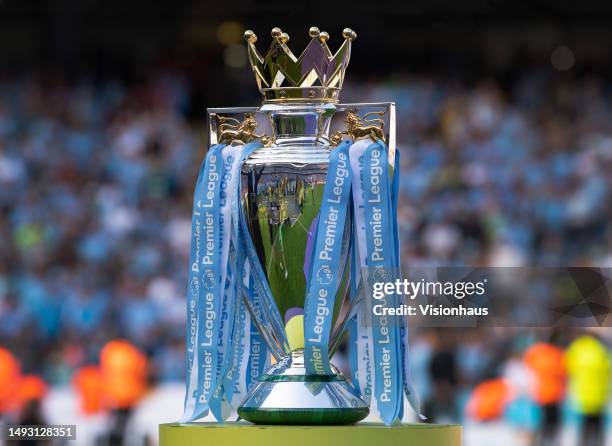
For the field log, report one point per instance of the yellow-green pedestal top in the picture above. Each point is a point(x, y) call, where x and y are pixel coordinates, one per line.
point(362, 434)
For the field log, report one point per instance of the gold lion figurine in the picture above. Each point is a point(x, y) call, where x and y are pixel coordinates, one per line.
point(231, 129)
point(362, 127)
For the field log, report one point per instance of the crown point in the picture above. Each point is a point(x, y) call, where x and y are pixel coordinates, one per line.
point(276, 88)
point(250, 36)
point(313, 31)
point(349, 34)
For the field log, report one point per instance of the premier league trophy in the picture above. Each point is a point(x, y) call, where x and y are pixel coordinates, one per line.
point(294, 216)
point(282, 193)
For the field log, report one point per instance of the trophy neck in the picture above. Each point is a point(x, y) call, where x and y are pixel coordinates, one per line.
point(300, 124)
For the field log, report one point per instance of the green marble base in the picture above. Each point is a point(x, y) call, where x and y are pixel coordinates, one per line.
point(333, 416)
point(362, 434)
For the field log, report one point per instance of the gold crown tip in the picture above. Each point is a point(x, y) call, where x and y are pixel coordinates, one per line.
point(349, 34)
point(275, 90)
point(250, 36)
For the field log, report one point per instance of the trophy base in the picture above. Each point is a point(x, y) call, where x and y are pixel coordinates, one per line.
point(362, 434)
point(287, 395)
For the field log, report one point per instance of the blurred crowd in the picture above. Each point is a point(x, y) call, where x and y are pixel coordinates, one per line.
point(510, 176)
point(96, 183)
point(95, 192)
point(505, 175)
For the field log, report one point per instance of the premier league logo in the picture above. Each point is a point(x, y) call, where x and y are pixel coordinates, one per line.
point(380, 274)
point(210, 279)
point(324, 275)
point(194, 286)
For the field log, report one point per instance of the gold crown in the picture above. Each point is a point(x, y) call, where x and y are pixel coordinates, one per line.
point(315, 76)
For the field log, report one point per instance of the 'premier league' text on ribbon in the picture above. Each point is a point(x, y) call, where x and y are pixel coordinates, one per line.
point(379, 261)
point(326, 271)
point(209, 274)
point(376, 223)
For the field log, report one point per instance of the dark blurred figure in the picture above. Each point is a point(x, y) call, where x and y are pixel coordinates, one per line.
point(119, 421)
point(588, 363)
point(441, 406)
point(30, 416)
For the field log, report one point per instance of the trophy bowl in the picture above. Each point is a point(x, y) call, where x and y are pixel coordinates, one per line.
point(282, 190)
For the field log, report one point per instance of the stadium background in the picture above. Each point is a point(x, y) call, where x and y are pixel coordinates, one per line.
point(504, 122)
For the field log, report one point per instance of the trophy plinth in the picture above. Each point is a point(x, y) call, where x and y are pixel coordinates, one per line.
point(363, 434)
point(288, 395)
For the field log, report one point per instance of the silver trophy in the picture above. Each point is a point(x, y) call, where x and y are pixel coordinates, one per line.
point(282, 187)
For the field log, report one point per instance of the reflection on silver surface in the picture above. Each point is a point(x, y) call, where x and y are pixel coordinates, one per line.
point(284, 393)
point(282, 190)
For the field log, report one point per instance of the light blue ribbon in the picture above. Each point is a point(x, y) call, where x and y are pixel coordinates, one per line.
point(210, 301)
point(205, 266)
point(244, 334)
point(380, 262)
point(353, 356)
point(326, 266)
point(193, 300)
point(258, 357)
point(362, 330)
point(408, 383)
point(220, 401)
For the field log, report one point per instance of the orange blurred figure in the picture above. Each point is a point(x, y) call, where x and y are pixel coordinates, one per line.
point(489, 399)
point(32, 388)
point(10, 374)
point(124, 374)
point(88, 384)
point(547, 362)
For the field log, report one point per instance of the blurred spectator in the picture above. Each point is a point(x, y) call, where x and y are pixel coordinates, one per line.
point(588, 364)
point(124, 373)
point(521, 411)
point(9, 381)
point(88, 384)
point(441, 406)
point(30, 416)
point(489, 399)
point(32, 390)
point(547, 387)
